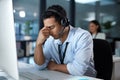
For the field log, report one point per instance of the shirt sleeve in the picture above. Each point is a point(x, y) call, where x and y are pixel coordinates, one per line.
point(83, 51)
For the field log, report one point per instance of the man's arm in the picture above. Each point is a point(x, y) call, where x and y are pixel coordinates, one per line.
point(38, 55)
point(57, 67)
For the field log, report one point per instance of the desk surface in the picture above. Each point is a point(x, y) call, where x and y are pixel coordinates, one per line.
point(116, 59)
point(51, 75)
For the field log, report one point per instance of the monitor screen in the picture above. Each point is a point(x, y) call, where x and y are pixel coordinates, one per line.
point(117, 44)
point(8, 56)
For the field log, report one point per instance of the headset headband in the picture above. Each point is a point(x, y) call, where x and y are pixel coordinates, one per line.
point(52, 10)
point(64, 21)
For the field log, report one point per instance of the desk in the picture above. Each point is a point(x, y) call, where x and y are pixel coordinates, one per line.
point(51, 75)
point(25, 44)
point(116, 68)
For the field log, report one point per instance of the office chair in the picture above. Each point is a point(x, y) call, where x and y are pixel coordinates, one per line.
point(103, 59)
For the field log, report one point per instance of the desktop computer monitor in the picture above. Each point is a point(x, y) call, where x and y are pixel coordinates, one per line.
point(8, 55)
point(117, 47)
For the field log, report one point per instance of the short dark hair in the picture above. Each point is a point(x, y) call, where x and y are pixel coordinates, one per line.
point(97, 24)
point(59, 14)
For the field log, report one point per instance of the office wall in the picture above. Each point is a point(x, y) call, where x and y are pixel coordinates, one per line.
point(84, 12)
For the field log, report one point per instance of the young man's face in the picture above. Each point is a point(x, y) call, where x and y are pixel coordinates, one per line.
point(54, 26)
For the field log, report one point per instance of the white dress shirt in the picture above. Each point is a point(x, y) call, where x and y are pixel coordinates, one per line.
point(99, 36)
point(78, 55)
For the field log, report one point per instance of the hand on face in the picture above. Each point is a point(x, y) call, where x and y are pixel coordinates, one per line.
point(43, 35)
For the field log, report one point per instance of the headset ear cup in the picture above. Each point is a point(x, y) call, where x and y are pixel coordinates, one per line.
point(64, 22)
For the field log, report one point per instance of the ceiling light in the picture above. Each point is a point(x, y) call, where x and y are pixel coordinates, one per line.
point(22, 14)
point(85, 1)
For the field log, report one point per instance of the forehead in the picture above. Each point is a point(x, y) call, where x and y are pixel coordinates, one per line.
point(49, 21)
point(92, 24)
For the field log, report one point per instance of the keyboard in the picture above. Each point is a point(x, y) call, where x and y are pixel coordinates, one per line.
point(3, 78)
point(30, 76)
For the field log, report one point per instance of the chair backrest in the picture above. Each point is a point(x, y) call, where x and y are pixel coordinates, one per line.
point(103, 59)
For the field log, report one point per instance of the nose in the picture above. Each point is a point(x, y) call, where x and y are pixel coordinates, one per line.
point(50, 32)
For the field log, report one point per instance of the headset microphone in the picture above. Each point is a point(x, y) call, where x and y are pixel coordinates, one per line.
point(61, 32)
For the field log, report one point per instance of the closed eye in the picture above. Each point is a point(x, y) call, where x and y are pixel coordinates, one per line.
point(51, 27)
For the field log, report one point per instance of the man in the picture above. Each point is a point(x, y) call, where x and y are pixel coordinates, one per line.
point(61, 47)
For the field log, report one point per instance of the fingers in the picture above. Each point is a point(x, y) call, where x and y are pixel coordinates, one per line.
point(46, 32)
point(43, 35)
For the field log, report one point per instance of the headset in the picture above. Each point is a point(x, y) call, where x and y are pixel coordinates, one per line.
point(64, 21)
